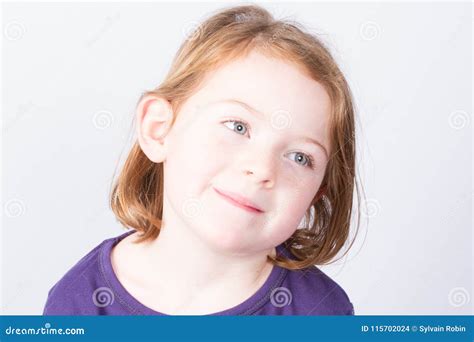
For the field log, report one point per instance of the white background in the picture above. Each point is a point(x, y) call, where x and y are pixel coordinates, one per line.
point(71, 76)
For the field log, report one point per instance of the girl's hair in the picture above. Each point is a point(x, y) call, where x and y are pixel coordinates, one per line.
point(137, 195)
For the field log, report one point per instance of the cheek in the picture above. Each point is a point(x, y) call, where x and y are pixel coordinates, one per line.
point(289, 214)
point(291, 219)
point(213, 147)
point(194, 155)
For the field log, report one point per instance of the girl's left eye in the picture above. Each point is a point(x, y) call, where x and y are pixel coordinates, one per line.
point(306, 159)
point(302, 159)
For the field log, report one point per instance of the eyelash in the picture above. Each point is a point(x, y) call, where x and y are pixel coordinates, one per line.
point(310, 159)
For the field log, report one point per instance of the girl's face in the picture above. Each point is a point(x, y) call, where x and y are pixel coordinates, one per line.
point(257, 128)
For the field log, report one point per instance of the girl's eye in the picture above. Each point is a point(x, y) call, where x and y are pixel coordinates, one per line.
point(304, 159)
point(242, 128)
point(237, 126)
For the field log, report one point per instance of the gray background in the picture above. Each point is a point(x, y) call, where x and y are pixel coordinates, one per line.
point(71, 76)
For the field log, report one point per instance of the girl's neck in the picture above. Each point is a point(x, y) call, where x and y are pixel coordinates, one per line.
point(177, 273)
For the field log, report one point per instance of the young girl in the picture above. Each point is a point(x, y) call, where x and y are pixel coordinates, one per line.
point(250, 134)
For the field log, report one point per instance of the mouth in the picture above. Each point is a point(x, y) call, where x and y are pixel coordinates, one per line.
point(239, 201)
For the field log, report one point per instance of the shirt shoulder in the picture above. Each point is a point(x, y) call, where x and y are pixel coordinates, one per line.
point(310, 291)
point(83, 290)
point(318, 294)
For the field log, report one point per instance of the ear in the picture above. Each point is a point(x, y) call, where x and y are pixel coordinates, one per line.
point(154, 117)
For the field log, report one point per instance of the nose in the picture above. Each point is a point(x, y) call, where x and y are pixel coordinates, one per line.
point(261, 172)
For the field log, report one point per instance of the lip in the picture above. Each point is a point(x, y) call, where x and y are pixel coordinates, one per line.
point(239, 201)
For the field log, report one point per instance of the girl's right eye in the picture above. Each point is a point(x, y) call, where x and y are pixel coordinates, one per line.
point(237, 126)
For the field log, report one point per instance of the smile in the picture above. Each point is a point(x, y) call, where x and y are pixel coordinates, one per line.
point(232, 200)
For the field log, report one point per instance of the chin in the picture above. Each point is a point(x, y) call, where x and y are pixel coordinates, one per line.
point(229, 241)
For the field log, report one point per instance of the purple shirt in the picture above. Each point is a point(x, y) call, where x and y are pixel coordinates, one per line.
point(91, 287)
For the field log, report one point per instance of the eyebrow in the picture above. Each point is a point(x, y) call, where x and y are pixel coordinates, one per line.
point(260, 114)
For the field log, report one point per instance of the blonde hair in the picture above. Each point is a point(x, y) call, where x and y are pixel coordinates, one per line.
point(137, 195)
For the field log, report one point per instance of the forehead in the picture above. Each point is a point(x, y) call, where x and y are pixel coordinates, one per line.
point(270, 86)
